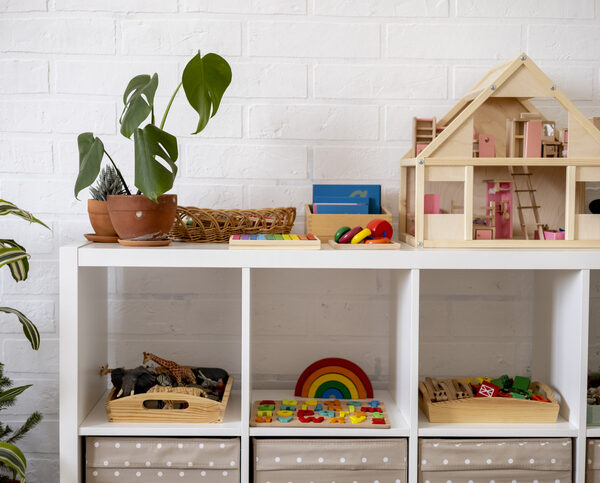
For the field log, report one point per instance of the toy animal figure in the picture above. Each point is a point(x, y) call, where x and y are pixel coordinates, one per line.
point(179, 373)
point(130, 381)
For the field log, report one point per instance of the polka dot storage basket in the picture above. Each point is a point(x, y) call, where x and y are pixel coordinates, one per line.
point(498, 460)
point(593, 461)
point(325, 460)
point(152, 460)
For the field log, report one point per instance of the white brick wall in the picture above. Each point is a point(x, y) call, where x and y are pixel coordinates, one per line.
point(323, 90)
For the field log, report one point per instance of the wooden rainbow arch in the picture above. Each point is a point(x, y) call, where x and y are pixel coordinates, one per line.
point(334, 377)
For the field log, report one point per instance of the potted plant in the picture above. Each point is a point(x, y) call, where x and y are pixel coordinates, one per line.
point(109, 182)
point(13, 255)
point(150, 213)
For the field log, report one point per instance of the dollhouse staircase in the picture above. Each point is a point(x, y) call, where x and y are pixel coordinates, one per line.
point(424, 131)
point(522, 173)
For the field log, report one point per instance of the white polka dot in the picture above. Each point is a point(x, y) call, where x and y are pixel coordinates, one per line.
point(126, 463)
point(553, 460)
point(513, 481)
point(492, 481)
point(96, 444)
point(117, 473)
point(222, 445)
point(298, 460)
point(589, 462)
point(138, 474)
point(232, 463)
point(211, 463)
point(224, 473)
point(147, 463)
point(435, 445)
point(522, 444)
point(445, 462)
point(169, 463)
point(320, 460)
point(531, 461)
point(448, 481)
point(117, 445)
point(427, 481)
point(257, 459)
point(203, 473)
point(398, 481)
point(342, 460)
point(565, 443)
point(376, 481)
point(470, 481)
point(95, 473)
point(159, 445)
point(488, 461)
point(105, 463)
point(535, 481)
point(510, 461)
point(423, 462)
point(458, 445)
point(277, 459)
point(364, 460)
point(138, 445)
point(385, 459)
point(467, 461)
point(201, 446)
point(556, 481)
point(181, 474)
point(180, 446)
point(160, 474)
point(190, 463)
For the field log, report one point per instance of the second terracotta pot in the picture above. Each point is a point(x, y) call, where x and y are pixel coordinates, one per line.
point(99, 218)
point(136, 217)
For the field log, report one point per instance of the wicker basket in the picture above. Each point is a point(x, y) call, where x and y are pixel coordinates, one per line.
point(216, 226)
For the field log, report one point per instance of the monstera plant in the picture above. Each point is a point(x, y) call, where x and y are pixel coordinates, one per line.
point(204, 81)
point(16, 258)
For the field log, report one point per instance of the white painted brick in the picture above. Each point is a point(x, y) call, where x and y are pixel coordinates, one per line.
point(314, 39)
point(33, 443)
point(399, 119)
point(268, 80)
point(36, 239)
point(40, 469)
point(23, 5)
point(529, 9)
point(434, 317)
point(67, 116)
point(341, 163)
point(24, 116)
point(245, 161)
point(260, 196)
point(345, 315)
point(27, 155)
point(314, 121)
point(130, 6)
point(43, 196)
point(477, 283)
point(381, 82)
point(18, 356)
point(111, 77)
point(23, 76)
point(563, 42)
point(180, 37)
point(58, 35)
point(71, 229)
point(42, 279)
point(215, 196)
point(384, 8)
point(40, 312)
point(246, 6)
point(285, 314)
point(453, 41)
point(491, 318)
point(43, 397)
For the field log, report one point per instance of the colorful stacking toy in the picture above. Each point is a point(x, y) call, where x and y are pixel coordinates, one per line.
point(378, 231)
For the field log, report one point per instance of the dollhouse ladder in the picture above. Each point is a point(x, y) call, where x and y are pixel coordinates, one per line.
point(522, 173)
point(424, 131)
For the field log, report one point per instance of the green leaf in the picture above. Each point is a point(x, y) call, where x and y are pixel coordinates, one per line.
point(8, 208)
point(13, 392)
point(91, 151)
point(29, 329)
point(139, 101)
point(205, 80)
point(152, 177)
point(15, 256)
point(13, 458)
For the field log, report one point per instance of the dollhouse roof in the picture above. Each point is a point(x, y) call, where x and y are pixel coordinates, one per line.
point(520, 79)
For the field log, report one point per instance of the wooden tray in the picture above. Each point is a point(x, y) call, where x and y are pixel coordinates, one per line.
point(489, 409)
point(326, 423)
point(364, 246)
point(130, 409)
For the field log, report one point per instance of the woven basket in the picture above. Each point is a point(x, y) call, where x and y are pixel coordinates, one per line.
point(199, 225)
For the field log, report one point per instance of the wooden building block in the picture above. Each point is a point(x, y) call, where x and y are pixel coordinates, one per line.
point(432, 204)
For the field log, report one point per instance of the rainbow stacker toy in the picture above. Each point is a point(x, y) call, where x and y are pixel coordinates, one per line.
point(277, 242)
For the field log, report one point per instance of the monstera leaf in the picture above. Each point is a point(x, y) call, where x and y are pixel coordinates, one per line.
point(139, 102)
point(14, 459)
point(91, 151)
point(205, 80)
point(153, 177)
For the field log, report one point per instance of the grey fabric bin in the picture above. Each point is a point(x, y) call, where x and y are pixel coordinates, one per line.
point(150, 460)
point(498, 460)
point(346, 460)
point(592, 474)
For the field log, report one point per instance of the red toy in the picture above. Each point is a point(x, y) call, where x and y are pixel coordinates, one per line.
point(488, 389)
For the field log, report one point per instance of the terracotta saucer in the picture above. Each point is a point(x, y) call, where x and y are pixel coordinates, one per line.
point(145, 243)
point(101, 238)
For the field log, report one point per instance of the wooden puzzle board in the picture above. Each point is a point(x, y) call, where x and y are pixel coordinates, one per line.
point(326, 405)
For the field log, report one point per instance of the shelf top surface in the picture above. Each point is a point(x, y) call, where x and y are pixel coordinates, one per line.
point(212, 255)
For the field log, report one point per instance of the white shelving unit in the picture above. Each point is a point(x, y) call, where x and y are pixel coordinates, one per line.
point(558, 353)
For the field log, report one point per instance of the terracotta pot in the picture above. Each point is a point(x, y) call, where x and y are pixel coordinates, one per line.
point(136, 217)
point(99, 218)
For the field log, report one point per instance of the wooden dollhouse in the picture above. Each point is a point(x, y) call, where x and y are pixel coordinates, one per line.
point(494, 172)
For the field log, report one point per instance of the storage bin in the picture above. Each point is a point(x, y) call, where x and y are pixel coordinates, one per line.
point(592, 474)
point(500, 460)
point(149, 460)
point(325, 460)
point(325, 226)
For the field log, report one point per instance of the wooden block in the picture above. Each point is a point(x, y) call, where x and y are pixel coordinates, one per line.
point(432, 204)
point(487, 389)
point(521, 383)
point(533, 140)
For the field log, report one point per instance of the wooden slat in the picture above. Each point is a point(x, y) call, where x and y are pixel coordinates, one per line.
point(468, 203)
point(419, 202)
point(570, 203)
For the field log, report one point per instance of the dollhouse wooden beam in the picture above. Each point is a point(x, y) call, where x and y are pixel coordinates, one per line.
point(549, 162)
point(403, 200)
point(468, 203)
point(570, 198)
point(419, 203)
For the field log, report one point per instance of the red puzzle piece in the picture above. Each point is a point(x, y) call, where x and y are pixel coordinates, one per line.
point(488, 389)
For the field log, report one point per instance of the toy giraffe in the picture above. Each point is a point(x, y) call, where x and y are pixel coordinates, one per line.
point(178, 372)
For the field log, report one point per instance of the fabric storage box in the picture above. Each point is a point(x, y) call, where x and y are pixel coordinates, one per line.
point(592, 474)
point(345, 460)
point(113, 459)
point(501, 460)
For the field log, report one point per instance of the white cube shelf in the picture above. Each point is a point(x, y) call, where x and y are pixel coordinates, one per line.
point(266, 315)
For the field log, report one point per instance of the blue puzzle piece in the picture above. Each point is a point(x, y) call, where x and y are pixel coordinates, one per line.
point(318, 407)
point(374, 403)
point(287, 419)
point(327, 414)
point(285, 407)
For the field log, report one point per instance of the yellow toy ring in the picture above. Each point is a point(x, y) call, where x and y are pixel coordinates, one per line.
point(360, 236)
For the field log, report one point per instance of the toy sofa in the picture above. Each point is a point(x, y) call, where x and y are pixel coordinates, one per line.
point(543, 460)
point(324, 460)
point(162, 459)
